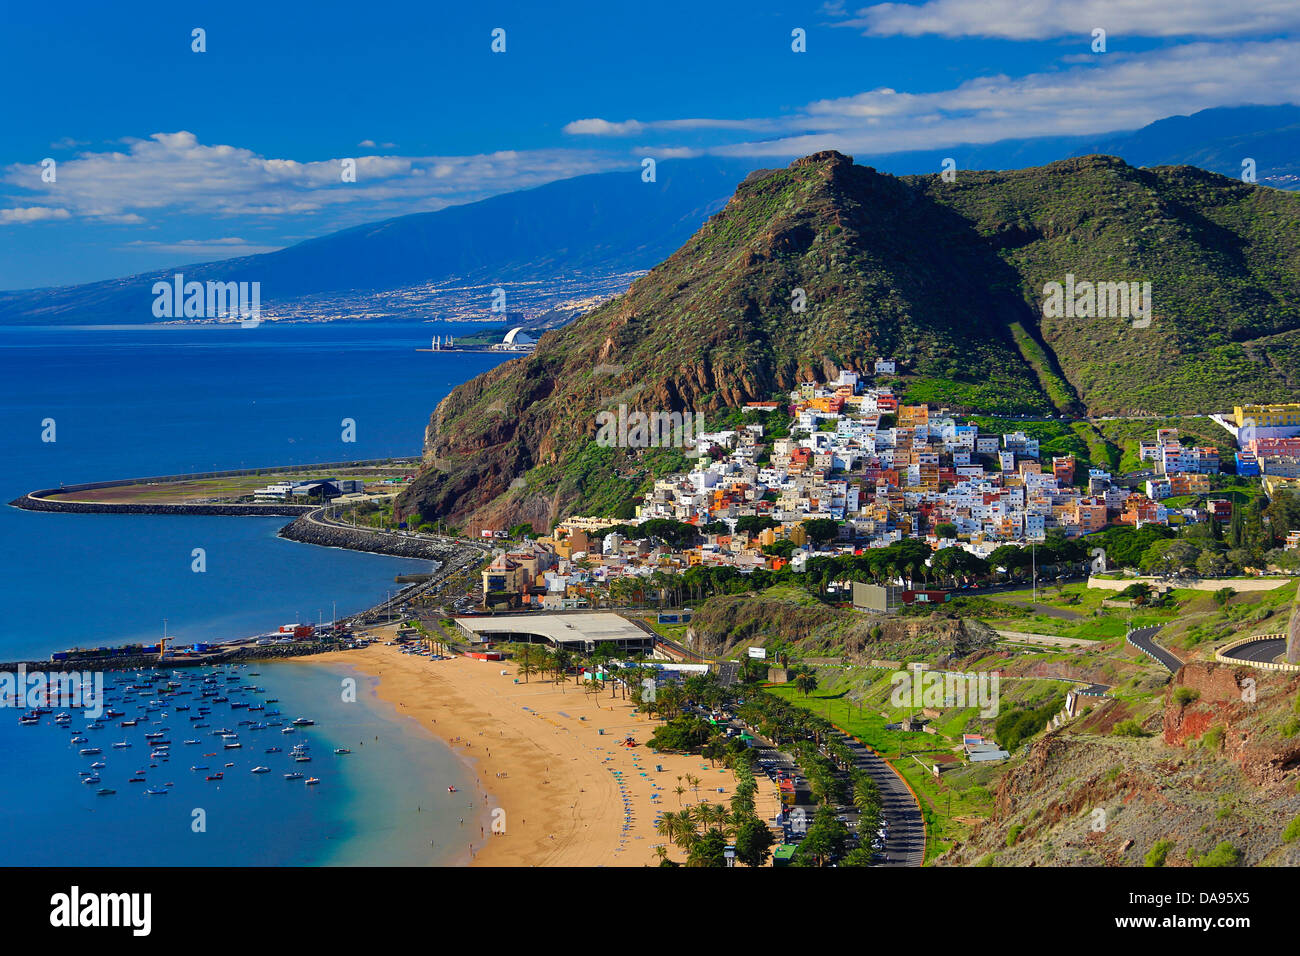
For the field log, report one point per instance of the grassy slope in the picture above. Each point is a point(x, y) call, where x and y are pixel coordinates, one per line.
point(945, 277)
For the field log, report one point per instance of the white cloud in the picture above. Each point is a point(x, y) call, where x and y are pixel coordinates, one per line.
point(1044, 19)
point(223, 248)
point(170, 173)
point(601, 127)
point(1105, 94)
point(31, 214)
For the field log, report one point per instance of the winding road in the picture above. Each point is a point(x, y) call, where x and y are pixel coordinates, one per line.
point(1143, 638)
point(1264, 651)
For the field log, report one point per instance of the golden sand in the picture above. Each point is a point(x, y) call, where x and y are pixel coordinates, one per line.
point(570, 794)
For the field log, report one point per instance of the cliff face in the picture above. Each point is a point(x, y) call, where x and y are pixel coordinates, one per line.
point(945, 277)
point(1224, 768)
point(725, 622)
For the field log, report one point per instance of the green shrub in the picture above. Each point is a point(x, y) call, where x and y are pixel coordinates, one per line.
point(1129, 728)
point(1185, 695)
point(1156, 855)
point(1014, 834)
point(1292, 831)
point(1225, 854)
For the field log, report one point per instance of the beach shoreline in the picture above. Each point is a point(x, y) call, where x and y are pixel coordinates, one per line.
point(560, 787)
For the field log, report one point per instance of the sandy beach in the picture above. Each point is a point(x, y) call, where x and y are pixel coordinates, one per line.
point(566, 793)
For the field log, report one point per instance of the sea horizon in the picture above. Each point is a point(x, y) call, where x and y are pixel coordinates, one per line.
point(126, 404)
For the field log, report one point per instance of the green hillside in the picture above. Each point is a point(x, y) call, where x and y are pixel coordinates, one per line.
point(946, 277)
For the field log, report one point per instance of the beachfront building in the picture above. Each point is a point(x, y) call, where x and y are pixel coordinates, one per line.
point(581, 632)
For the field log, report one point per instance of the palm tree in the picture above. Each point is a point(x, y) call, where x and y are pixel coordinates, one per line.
point(805, 682)
point(695, 785)
point(679, 828)
point(527, 661)
point(561, 661)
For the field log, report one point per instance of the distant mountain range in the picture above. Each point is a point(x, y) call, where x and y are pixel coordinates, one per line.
point(949, 278)
point(605, 222)
point(1215, 139)
point(613, 222)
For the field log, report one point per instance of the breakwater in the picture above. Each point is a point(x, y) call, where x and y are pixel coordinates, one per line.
point(34, 502)
point(242, 654)
point(40, 499)
point(309, 528)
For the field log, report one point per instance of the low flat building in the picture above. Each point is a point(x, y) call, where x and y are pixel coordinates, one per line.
point(577, 632)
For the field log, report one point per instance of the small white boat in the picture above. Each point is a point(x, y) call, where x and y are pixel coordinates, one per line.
point(293, 776)
point(261, 770)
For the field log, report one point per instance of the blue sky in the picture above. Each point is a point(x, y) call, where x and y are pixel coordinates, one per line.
point(166, 156)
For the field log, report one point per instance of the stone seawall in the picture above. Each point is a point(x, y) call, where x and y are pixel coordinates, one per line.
point(360, 539)
point(244, 654)
point(37, 502)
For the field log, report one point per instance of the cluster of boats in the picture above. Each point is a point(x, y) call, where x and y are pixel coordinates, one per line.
point(157, 699)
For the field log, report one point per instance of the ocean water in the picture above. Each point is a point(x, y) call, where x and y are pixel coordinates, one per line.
point(132, 402)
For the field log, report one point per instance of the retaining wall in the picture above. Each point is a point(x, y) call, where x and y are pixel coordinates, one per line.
point(1224, 654)
point(360, 539)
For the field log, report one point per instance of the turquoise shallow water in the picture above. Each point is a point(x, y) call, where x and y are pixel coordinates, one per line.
point(144, 402)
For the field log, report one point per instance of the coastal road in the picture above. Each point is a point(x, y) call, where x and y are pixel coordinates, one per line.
point(905, 845)
point(1143, 638)
point(1264, 651)
point(318, 517)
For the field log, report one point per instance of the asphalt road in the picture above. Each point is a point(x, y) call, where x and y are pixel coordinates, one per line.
point(905, 845)
point(1143, 638)
point(1262, 652)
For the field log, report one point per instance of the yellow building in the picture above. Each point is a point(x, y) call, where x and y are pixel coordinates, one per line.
point(1268, 416)
point(1272, 484)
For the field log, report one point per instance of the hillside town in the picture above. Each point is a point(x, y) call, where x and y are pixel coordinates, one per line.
point(861, 470)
